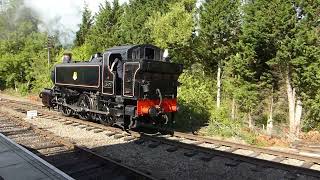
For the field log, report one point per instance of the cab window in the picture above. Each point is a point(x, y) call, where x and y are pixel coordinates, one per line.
point(149, 53)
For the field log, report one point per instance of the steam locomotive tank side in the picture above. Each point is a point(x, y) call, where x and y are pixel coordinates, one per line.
point(143, 94)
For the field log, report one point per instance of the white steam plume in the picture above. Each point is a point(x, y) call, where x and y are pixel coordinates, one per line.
point(62, 17)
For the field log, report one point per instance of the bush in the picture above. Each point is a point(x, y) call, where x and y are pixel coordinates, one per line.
point(83, 52)
point(195, 97)
point(312, 117)
point(42, 81)
point(23, 89)
point(221, 124)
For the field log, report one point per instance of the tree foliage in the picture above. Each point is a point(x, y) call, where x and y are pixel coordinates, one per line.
point(21, 47)
point(282, 37)
point(85, 27)
point(175, 27)
point(132, 28)
point(218, 31)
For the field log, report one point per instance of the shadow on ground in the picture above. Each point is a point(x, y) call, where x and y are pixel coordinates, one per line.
point(190, 119)
point(155, 160)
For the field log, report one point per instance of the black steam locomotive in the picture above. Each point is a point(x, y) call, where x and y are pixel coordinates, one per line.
point(127, 86)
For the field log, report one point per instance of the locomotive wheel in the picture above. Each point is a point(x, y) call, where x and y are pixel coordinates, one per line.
point(167, 127)
point(84, 102)
point(106, 120)
point(66, 111)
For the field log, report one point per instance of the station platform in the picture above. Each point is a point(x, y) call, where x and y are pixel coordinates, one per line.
point(17, 163)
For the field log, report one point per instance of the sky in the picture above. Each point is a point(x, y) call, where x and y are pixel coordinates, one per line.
point(62, 15)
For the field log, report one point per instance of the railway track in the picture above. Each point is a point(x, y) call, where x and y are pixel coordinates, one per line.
point(313, 148)
point(238, 153)
point(77, 162)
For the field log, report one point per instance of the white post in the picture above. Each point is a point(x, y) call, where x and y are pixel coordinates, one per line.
point(219, 85)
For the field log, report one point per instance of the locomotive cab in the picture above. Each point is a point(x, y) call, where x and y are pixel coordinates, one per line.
point(150, 81)
point(122, 66)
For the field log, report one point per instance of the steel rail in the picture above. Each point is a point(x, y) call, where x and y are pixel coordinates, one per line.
point(261, 163)
point(237, 146)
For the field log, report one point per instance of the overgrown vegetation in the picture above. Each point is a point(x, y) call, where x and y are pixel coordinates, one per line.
point(250, 66)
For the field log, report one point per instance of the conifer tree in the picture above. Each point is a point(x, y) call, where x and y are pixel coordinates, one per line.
point(85, 26)
point(103, 34)
point(308, 67)
point(256, 48)
point(218, 34)
point(283, 38)
point(133, 28)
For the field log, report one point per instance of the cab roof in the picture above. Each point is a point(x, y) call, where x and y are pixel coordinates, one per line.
point(126, 51)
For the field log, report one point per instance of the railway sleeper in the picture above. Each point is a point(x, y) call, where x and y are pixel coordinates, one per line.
point(191, 153)
point(257, 168)
point(8, 125)
point(80, 167)
point(75, 124)
point(139, 141)
point(41, 147)
point(61, 163)
point(98, 130)
point(9, 132)
point(118, 136)
point(197, 142)
point(232, 163)
point(27, 134)
point(154, 144)
point(231, 149)
point(98, 172)
point(307, 164)
point(83, 126)
point(32, 138)
point(49, 152)
point(207, 157)
point(128, 138)
point(173, 149)
point(90, 128)
point(110, 134)
point(68, 123)
point(254, 154)
point(279, 159)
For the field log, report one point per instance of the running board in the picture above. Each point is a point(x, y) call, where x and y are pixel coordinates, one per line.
point(80, 109)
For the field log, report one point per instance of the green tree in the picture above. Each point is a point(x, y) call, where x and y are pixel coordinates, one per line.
point(22, 53)
point(304, 61)
point(85, 26)
point(103, 33)
point(133, 28)
point(175, 30)
point(14, 60)
point(257, 80)
point(284, 39)
point(175, 27)
point(218, 35)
